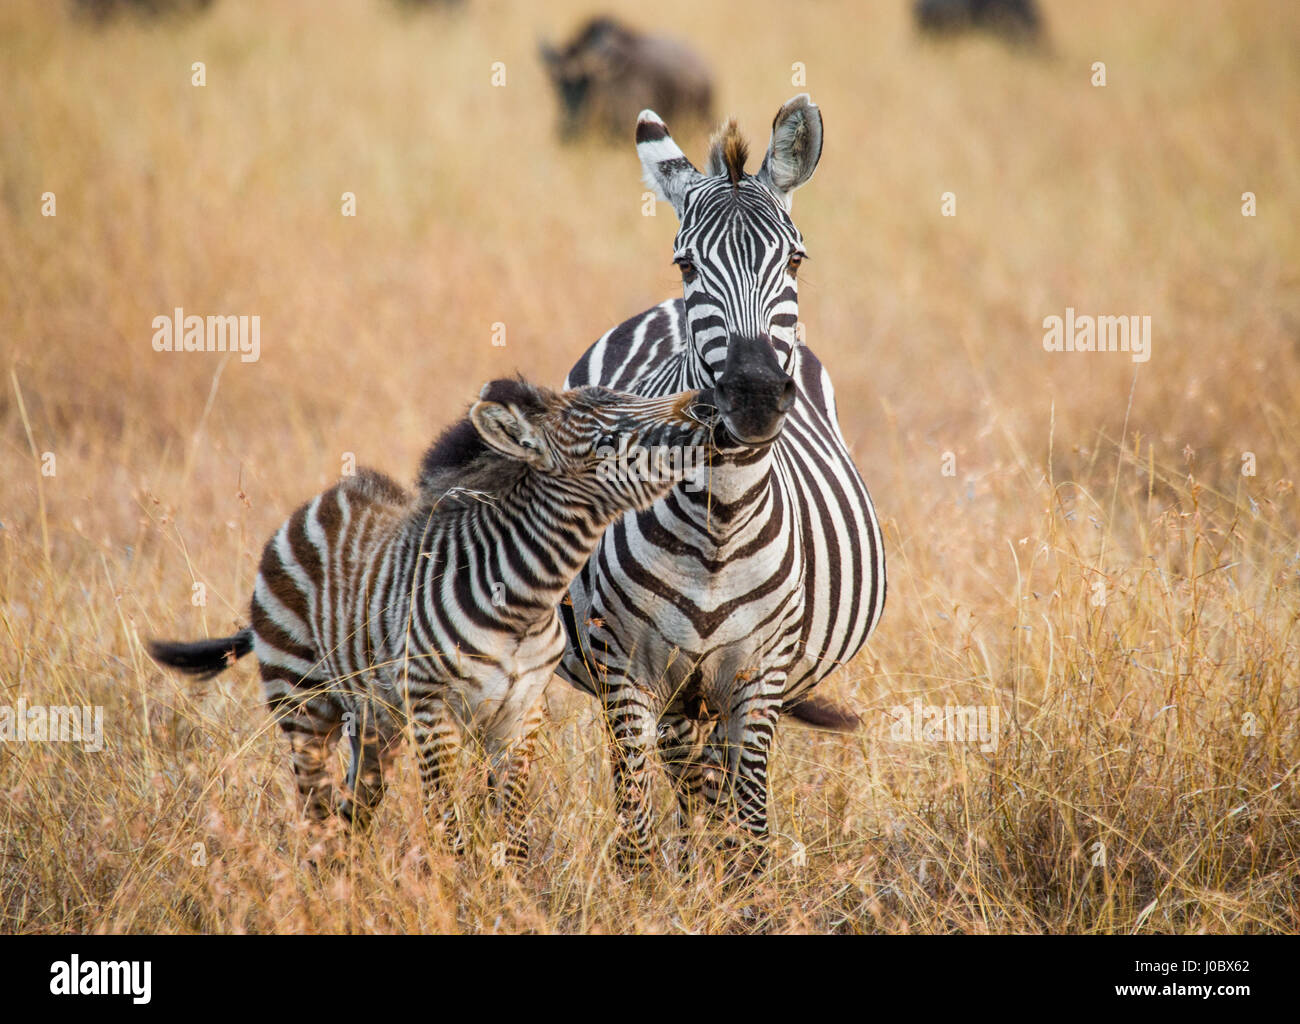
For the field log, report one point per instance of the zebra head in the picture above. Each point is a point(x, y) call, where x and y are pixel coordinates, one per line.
point(614, 451)
point(739, 254)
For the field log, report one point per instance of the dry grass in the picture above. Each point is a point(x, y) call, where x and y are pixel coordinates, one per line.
point(1124, 723)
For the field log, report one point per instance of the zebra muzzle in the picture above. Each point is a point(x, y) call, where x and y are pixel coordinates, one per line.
point(754, 393)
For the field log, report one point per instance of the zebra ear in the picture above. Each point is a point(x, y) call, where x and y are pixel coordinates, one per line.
point(664, 166)
point(795, 148)
point(506, 429)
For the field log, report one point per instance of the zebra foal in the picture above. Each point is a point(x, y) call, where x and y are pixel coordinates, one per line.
point(375, 610)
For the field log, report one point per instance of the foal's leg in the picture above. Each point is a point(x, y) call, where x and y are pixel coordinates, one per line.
point(311, 715)
point(370, 754)
point(437, 736)
point(510, 769)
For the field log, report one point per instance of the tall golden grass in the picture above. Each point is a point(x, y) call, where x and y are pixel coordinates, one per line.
point(1099, 567)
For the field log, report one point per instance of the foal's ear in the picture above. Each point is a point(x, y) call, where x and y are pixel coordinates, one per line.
point(664, 166)
point(795, 148)
point(508, 430)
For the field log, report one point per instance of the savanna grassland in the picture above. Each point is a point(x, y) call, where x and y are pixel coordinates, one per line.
point(1104, 550)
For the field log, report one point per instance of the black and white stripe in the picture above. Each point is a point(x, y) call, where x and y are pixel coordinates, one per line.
point(375, 609)
point(699, 620)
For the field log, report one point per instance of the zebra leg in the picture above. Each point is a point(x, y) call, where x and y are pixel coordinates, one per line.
point(365, 778)
point(632, 734)
point(514, 764)
point(702, 796)
point(312, 718)
point(750, 731)
point(712, 769)
point(437, 737)
point(681, 750)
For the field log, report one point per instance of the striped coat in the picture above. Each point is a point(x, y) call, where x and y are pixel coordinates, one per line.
point(376, 610)
point(701, 619)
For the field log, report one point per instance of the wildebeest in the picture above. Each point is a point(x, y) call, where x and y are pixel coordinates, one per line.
point(1015, 20)
point(102, 10)
point(609, 73)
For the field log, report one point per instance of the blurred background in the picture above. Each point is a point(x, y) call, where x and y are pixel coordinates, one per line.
point(473, 213)
point(376, 328)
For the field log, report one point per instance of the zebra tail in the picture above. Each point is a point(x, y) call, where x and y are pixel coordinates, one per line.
point(202, 659)
point(822, 714)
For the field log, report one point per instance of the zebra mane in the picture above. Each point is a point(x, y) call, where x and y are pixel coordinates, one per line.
point(460, 462)
point(376, 486)
point(459, 469)
point(728, 152)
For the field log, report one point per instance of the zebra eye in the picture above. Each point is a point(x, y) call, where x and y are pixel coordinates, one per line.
point(607, 441)
point(687, 266)
point(796, 260)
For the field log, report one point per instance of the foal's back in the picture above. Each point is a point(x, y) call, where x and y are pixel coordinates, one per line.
point(315, 573)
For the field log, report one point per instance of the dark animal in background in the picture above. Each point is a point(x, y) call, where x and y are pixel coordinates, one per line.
point(1014, 20)
point(609, 73)
point(102, 10)
point(413, 5)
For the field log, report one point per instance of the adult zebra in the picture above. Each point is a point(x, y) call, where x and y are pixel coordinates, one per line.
point(701, 619)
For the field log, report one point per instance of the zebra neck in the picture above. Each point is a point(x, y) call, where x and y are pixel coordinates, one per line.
point(738, 485)
point(733, 490)
point(518, 551)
